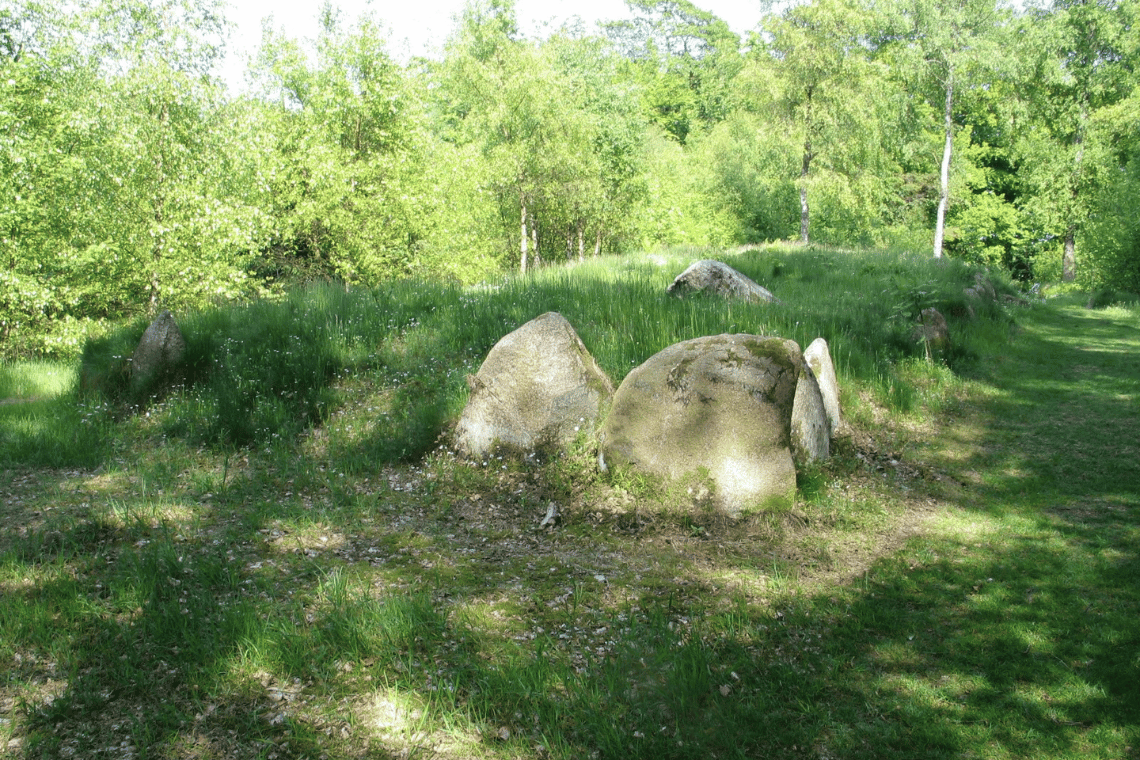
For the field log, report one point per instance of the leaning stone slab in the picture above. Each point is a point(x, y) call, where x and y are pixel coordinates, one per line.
point(811, 432)
point(718, 407)
point(537, 388)
point(818, 357)
point(716, 277)
point(159, 351)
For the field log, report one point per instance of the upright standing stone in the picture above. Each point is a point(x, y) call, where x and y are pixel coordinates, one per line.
point(811, 433)
point(537, 388)
point(818, 357)
point(719, 406)
point(159, 351)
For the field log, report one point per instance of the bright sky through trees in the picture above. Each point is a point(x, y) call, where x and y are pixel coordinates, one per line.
point(419, 27)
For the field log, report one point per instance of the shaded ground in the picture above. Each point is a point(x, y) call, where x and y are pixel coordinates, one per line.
point(968, 587)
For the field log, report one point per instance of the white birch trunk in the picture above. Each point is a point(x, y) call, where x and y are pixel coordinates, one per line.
point(523, 237)
point(947, 150)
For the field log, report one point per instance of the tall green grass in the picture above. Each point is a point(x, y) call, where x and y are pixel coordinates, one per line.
point(41, 422)
point(267, 371)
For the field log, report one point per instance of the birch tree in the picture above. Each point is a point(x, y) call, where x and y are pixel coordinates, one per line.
point(939, 47)
point(813, 71)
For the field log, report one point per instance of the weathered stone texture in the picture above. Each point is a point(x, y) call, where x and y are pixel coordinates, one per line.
point(811, 432)
point(818, 357)
point(159, 351)
point(716, 277)
point(719, 406)
point(537, 388)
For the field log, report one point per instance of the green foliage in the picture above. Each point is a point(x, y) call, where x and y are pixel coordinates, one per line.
point(752, 168)
point(130, 182)
point(555, 134)
point(346, 165)
point(683, 60)
point(1079, 67)
point(1112, 240)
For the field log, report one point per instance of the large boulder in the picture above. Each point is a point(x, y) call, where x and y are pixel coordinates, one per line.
point(537, 388)
point(159, 352)
point(717, 407)
point(811, 432)
point(818, 357)
point(719, 278)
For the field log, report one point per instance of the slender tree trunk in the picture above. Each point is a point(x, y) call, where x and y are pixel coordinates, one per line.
point(1069, 258)
point(805, 208)
point(159, 212)
point(156, 256)
point(535, 254)
point(523, 237)
point(598, 242)
point(947, 151)
point(581, 240)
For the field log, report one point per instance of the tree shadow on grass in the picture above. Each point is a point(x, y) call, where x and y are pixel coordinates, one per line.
point(1019, 639)
point(1025, 641)
point(1019, 642)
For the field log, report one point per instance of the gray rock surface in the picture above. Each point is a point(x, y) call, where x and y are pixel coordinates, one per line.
point(159, 351)
point(811, 432)
point(933, 330)
point(716, 277)
point(537, 388)
point(818, 357)
point(718, 406)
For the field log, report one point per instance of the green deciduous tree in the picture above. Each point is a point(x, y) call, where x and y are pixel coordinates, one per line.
point(1077, 61)
point(939, 48)
point(811, 74)
point(683, 59)
point(346, 165)
point(558, 136)
point(1112, 237)
point(118, 161)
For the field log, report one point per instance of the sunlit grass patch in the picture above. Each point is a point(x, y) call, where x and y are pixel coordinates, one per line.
point(35, 379)
point(52, 432)
point(409, 723)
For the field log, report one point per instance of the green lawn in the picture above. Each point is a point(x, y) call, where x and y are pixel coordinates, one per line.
point(962, 580)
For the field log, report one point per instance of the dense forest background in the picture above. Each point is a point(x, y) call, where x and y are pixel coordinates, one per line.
point(132, 180)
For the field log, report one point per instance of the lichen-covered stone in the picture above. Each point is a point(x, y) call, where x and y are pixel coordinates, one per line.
point(160, 350)
point(811, 433)
point(718, 406)
point(711, 276)
point(537, 388)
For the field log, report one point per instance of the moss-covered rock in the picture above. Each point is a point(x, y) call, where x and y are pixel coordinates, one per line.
point(720, 405)
point(537, 389)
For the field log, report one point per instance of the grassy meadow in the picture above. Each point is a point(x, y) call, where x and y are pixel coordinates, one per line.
point(273, 553)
